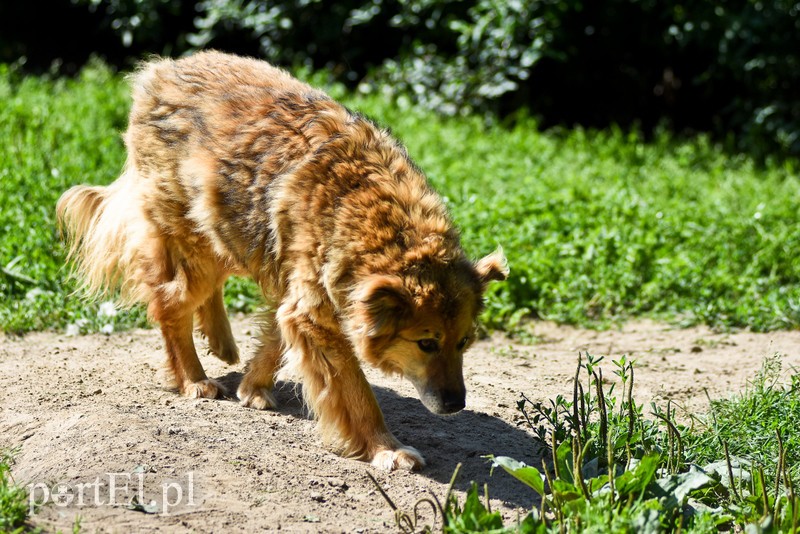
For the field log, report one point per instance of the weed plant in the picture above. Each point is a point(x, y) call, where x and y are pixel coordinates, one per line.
point(610, 469)
point(13, 498)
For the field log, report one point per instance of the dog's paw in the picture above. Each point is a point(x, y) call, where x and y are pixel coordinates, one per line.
point(257, 398)
point(203, 389)
point(227, 352)
point(405, 458)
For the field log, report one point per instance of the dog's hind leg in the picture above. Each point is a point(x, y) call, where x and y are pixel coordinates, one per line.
point(182, 360)
point(179, 283)
point(255, 390)
point(216, 327)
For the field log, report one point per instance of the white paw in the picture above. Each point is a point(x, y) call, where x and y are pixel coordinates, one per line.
point(406, 458)
point(203, 389)
point(257, 398)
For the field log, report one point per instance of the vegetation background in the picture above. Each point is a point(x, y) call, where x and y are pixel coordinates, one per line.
point(635, 157)
point(727, 67)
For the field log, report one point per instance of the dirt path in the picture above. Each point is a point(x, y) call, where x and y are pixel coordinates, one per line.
point(89, 412)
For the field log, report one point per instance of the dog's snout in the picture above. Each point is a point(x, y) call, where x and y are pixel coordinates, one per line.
point(440, 400)
point(453, 402)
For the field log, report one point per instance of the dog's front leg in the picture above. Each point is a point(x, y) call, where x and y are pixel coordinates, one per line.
point(336, 390)
point(216, 327)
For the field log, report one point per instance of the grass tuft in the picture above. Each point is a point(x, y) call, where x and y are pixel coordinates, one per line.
point(610, 469)
point(13, 499)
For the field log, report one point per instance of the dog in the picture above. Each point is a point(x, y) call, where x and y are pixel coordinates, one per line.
point(236, 168)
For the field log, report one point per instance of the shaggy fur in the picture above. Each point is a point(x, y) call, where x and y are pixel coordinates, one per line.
point(235, 167)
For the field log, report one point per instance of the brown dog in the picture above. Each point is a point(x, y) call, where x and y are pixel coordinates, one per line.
point(235, 167)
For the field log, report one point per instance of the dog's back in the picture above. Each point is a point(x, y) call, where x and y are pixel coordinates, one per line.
point(208, 133)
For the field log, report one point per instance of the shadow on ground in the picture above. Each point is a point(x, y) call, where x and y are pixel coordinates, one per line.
point(444, 441)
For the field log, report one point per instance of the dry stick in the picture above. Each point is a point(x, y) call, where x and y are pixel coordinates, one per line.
point(448, 495)
point(575, 414)
point(553, 448)
point(674, 437)
point(556, 504)
point(433, 504)
point(380, 488)
point(795, 505)
point(401, 519)
point(576, 429)
point(576, 469)
point(581, 456)
point(670, 442)
point(730, 470)
point(451, 486)
point(680, 524)
point(787, 480)
point(525, 413)
point(631, 411)
point(581, 391)
point(438, 506)
point(778, 473)
point(725, 448)
point(584, 416)
point(404, 521)
point(547, 477)
point(764, 496)
point(601, 402)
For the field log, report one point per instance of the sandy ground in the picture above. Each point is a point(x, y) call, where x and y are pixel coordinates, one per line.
point(95, 429)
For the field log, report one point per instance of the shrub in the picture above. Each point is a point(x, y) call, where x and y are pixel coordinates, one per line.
point(726, 67)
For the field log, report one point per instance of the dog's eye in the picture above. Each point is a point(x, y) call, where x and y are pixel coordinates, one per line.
point(462, 343)
point(428, 345)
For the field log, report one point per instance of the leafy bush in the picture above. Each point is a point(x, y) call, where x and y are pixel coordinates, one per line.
point(730, 68)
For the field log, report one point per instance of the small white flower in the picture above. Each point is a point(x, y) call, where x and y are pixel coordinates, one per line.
point(107, 309)
point(73, 330)
point(34, 293)
point(107, 329)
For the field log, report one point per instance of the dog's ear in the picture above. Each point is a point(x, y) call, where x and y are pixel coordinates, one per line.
point(492, 267)
point(383, 302)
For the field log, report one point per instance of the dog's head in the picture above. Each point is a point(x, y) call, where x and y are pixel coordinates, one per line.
point(420, 323)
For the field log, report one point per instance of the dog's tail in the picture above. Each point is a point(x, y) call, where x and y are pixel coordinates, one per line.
point(96, 222)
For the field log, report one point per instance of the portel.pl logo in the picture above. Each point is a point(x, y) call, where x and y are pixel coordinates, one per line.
point(117, 489)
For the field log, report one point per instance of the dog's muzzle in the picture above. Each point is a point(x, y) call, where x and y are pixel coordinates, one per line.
point(442, 401)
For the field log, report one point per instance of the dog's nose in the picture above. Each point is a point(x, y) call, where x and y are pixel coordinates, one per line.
point(453, 402)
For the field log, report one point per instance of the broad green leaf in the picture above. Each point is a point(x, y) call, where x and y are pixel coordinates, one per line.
point(524, 473)
point(682, 485)
point(638, 479)
point(564, 461)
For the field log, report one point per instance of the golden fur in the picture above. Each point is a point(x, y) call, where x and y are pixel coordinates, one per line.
point(235, 167)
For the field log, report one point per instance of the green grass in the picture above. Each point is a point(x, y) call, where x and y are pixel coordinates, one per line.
point(13, 499)
point(749, 421)
point(735, 469)
point(597, 226)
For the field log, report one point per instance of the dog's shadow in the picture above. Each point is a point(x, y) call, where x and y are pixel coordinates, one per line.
point(464, 438)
